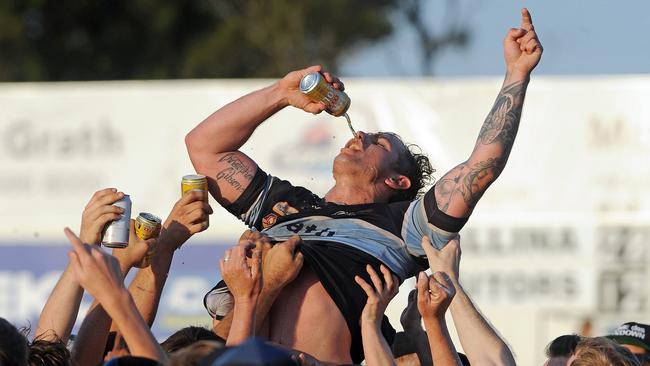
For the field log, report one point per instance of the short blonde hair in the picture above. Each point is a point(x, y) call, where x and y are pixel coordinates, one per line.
point(600, 351)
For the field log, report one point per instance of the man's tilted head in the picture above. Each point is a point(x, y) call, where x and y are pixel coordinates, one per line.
point(397, 170)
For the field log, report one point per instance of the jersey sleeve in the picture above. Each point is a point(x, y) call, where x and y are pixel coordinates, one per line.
point(422, 217)
point(262, 194)
point(248, 207)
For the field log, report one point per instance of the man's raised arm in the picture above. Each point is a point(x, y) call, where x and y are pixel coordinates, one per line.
point(459, 190)
point(213, 145)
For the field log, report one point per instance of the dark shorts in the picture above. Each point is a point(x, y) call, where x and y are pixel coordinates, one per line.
point(336, 265)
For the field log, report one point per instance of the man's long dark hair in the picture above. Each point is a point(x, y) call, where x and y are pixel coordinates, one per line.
point(416, 166)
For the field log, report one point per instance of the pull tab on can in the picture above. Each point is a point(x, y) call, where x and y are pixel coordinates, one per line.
point(318, 89)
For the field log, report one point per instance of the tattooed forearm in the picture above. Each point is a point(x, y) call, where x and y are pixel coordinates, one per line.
point(502, 122)
point(236, 174)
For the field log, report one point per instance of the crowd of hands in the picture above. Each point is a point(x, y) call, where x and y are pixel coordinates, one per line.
point(251, 269)
point(254, 271)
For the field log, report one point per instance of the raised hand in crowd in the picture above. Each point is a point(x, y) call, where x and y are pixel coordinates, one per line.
point(60, 311)
point(98, 212)
point(281, 264)
point(245, 284)
point(379, 294)
point(481, 343)
point(100, 275)
point(434, 297)
point(250, 239)
point(190, 215)
point(134, 254)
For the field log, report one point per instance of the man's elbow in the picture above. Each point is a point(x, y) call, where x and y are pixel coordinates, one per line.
point(191, 141)
point(194, 149)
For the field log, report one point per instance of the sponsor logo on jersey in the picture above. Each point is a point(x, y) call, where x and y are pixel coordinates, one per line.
point(283, 209)
point(269, 220)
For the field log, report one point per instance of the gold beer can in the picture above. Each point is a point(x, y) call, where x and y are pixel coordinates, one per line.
point(147, 226)
point(318, 89)
point(194, 181)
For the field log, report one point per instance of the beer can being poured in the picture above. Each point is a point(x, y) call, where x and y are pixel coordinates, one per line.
point(147, 226)
point(318, 89)
point(116, 233)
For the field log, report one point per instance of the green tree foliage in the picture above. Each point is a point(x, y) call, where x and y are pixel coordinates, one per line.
point(159, 39)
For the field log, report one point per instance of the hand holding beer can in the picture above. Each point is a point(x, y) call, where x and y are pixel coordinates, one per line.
point(116, 233)
point(318, 89)
point(194, 182)
point(147, 226)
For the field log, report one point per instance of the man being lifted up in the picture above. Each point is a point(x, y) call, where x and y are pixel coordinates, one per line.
point(374, 214)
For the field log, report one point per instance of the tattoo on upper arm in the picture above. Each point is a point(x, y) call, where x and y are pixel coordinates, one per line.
point(467, 181)
point(470, 179)
point(237, 174)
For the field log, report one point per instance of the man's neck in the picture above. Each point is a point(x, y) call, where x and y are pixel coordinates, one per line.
point(347, 194)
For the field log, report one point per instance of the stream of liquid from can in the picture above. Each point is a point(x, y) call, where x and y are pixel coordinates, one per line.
point(354, 133)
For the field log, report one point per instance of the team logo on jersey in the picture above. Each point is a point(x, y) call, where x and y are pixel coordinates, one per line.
point(283, 209)
point(269, 220)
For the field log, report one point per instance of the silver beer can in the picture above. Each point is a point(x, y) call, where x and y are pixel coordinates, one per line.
point(318, 89)
point(116, 233)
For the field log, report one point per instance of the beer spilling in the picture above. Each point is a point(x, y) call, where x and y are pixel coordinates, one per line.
point(318, 89)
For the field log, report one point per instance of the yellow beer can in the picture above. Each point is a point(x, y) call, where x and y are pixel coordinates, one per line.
point(147, 226)
point(194, 181)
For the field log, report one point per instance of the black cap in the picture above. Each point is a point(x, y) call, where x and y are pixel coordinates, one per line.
point(635, 334)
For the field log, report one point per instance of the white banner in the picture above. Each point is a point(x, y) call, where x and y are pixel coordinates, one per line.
point(566, 226)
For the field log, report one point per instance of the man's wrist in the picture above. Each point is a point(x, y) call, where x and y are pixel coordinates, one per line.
point(514, 75)
point(117, 298)
point(278, 94)
point(371, 321)
point(434, 321)
point(246, 302)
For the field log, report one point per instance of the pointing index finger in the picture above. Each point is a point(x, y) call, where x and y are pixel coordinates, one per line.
point(526, 19)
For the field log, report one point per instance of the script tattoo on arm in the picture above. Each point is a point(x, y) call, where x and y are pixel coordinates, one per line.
point(459, 190)
point(236, 173)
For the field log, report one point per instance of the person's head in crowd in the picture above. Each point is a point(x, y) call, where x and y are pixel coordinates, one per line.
point(396, 169)
point(600, 351)
point(255, 352)
point(195, 353)
point(48, 353)
point(560, 349)
point(188, 336)
point(636, 338)
point(13, 345)
point(131, 361)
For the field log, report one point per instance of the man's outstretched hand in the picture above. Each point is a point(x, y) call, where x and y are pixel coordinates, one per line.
point(522, 48)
